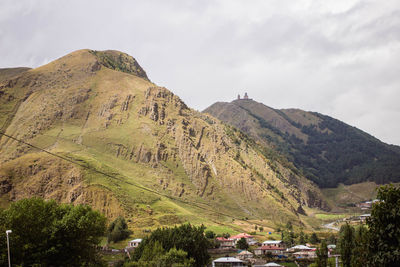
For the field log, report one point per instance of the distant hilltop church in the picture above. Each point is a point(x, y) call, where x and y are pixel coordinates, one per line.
point(245, 97)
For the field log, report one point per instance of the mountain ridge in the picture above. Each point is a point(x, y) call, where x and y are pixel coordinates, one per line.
point(327, 150)
point(151, 157)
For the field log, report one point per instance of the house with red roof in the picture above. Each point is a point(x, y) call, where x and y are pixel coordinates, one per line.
point(249, 238)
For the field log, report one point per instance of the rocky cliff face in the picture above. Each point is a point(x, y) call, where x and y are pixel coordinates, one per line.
point(135, 149)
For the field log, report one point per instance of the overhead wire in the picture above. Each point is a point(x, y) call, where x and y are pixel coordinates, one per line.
point(114, 177)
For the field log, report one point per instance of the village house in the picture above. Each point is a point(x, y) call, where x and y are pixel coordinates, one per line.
point(244, 255)
point(249, 238)
point(305, 254)
point(299, 248)
point(265, 250)
point(274, 243)
point(228, 262)
point(225, 242)
point(134, 243)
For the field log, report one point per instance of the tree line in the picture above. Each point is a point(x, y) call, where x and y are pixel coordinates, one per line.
point(377, 243)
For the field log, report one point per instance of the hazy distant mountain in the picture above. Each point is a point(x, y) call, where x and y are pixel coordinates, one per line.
point(136, 149)
point(327, 150)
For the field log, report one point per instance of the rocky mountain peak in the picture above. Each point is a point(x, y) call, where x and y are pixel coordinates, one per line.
point(119, 61)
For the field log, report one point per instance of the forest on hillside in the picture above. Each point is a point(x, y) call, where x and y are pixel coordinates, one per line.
point(336, 153)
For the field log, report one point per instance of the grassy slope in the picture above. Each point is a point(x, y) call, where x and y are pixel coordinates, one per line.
point(7, 73)
point(73, 111)
point(345, 195)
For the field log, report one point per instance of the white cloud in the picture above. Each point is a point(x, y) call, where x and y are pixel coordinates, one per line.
point(335, 57)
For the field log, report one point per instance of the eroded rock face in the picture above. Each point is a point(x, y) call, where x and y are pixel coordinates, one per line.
point(56, 179)
point(143, 134)
point(205, 152)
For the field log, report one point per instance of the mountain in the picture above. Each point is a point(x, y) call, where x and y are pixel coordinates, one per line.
point(92, 128)
point(327, 150)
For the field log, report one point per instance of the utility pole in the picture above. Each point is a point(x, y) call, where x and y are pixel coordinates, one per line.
point(8, 247)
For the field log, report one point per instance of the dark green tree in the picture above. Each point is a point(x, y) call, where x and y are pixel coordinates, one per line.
point(384, 228)
point(261, 228)
point(226, 235)
point(185, 237)
point(314, 238)
point(210, 234)
point(287, 238)
point(118, 230)
point(307, 238)
point(301, 239)
point(176, 257)
point(152, 251)
point(155, 255)
point(49, 234)
point(360, 253)
point(289, 226)
point(332, 239)
point(346, 244)
point(242, 244)
point(322, 255)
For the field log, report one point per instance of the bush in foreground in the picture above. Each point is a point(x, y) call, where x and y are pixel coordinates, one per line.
point(185, 238)
point(49, 234)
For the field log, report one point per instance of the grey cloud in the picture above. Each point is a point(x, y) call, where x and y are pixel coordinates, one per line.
point(335, 57)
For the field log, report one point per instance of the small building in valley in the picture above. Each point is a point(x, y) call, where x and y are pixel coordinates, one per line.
point(249, 238)
point(272, 250)
point(274, 243)
point(244, 255)
point(225, 242)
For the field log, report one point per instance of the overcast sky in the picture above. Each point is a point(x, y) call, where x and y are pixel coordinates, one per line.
point(339, 58)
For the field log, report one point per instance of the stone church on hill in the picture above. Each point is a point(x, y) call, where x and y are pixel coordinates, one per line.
point(245, 97)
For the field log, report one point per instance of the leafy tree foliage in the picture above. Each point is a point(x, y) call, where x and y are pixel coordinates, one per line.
point(49, 234)
point(118, 230)
point(210, 234)
point(242, 244)
point(322, 255)
point(360, 254)
point(186, 237)
point(346, 244)
point(287, 238)
point(332, 239)
point(379, 244)
point(314, 238)
point(301, 239)
point(226, 235)
point(384, 228)
point(156, 256)
point(289, 225)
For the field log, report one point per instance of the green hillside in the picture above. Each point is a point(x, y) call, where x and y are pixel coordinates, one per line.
point(327, 150)
point(91, 128)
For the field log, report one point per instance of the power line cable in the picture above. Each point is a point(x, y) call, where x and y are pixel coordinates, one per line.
point(114, 177)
